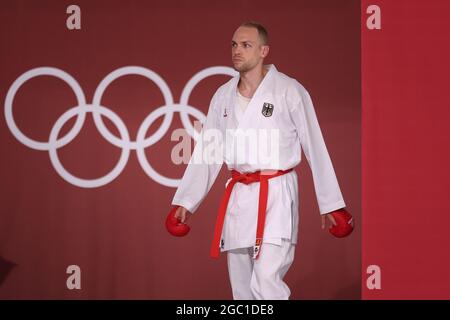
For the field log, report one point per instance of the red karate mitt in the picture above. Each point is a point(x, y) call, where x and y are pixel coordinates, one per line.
point(344, 223)
point(174, 226)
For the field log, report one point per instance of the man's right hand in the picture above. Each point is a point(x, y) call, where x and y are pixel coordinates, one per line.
point(182, 214)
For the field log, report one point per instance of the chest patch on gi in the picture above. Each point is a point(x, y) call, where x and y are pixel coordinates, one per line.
point(267, 109)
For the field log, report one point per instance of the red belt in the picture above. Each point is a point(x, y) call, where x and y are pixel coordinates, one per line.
point(247, 178)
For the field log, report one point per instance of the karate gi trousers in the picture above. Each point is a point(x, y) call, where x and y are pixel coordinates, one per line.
point(261, 279)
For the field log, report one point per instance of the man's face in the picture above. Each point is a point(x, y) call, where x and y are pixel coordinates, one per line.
point(247, 51)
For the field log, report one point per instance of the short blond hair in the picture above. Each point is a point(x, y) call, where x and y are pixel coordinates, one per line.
point(262, 32)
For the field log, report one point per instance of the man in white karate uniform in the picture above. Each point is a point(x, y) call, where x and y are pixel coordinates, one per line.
point(257, 222)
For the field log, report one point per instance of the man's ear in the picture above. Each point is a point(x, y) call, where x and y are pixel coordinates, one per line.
point(265, 51)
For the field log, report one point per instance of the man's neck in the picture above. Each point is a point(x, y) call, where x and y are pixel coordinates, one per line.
point(250, 80)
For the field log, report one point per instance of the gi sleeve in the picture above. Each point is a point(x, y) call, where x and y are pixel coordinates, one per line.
point(204, 165)
point(328, 193)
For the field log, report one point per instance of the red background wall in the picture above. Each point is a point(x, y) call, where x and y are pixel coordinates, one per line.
point(115, 233)
point(406, 138)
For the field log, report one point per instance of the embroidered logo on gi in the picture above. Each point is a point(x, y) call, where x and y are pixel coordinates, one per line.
point(267, 109)
point(225, 112)
point(222, 244)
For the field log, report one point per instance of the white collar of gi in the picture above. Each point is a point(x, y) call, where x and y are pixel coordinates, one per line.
point(271, 69)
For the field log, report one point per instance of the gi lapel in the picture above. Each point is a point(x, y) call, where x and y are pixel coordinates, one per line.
point(253, 109)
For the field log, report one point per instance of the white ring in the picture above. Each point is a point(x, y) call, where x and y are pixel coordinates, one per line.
point(88, 183)
point(131, 70)
point(143, 143)
point(34, 144)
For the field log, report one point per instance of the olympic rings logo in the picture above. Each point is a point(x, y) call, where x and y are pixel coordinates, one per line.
point(97, 109)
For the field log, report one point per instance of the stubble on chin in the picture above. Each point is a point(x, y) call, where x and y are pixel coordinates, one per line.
point(241, 67)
